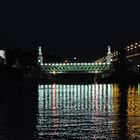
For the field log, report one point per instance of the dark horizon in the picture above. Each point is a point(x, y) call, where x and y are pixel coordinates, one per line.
point(70, 28)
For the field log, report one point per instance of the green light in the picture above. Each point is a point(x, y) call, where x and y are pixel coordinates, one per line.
point(138, 88)
point(75, 67)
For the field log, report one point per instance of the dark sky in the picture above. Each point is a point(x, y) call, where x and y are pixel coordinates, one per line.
point(70, 27)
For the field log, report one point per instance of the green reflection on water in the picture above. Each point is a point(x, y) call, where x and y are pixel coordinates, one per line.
point(138, 88)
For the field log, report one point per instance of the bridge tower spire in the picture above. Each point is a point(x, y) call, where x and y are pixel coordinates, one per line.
point(109, 55)
point(40, 56)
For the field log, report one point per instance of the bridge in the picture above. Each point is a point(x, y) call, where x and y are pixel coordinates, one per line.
point(102, 65)
point(74, 67)
point(132, 53)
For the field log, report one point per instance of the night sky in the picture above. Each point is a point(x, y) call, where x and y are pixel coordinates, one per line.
point(80, 28)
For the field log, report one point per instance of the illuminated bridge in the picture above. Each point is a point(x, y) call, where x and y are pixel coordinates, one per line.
point(75, 68)
point(132, 53)
point(102, 65)
point(55, 68)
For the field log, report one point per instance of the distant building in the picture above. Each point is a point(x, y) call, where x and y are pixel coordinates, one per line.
point(2, 57)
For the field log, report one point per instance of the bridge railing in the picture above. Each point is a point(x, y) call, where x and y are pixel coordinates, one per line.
point(75, 67)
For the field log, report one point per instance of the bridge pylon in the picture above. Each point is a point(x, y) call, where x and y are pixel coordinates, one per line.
point(109, 55)
point(40, 56)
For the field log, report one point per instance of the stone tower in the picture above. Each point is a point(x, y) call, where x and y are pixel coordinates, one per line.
point(109, 55)
point(40, 56)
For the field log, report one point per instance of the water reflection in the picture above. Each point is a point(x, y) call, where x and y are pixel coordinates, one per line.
point(139, 89)
point(86, 112)
point(133, 111)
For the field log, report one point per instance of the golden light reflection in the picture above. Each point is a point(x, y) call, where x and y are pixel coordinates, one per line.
point(133, 111)
point(115, 98)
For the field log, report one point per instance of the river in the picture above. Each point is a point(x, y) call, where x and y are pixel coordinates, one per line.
point(69, 111)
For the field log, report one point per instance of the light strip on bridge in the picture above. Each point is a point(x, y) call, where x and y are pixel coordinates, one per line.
point(63, 64)
point(129, 56)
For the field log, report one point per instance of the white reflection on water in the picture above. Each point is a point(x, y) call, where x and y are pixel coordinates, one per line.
point(83, 111)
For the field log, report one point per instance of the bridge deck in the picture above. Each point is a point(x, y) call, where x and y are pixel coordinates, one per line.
point(75, 67)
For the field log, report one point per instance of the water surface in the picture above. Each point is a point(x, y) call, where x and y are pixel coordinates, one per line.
point(69, 111)
point(87, 111)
